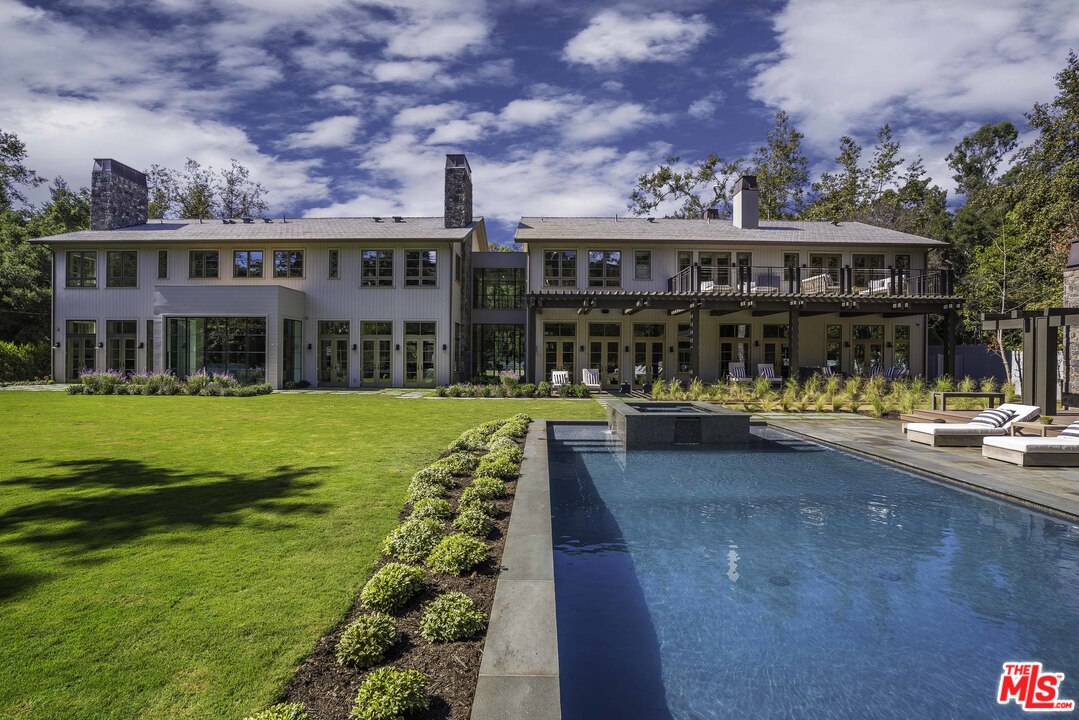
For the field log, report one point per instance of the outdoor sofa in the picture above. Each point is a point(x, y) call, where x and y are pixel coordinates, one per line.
point(990, 423)
point(1060, 451)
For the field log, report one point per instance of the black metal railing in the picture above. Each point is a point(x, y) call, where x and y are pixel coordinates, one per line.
point(806, 280)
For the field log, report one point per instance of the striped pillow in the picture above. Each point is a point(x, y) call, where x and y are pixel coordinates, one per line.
point(1072, 430)
point(993, 418)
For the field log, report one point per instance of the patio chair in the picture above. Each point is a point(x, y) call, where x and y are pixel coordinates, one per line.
point(590, 379)
point(1061, 451)
point(737, 372)
point(895, 373)
point(878, 287)
point(994, 422)
point(820, 284)
point(768, 371)
point(559, 378)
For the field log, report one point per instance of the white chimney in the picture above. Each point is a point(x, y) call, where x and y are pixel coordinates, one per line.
point(746, 203)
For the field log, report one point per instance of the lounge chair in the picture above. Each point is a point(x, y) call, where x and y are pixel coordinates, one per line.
point(590, 379)
point(822, 284)
point(737, 372)
point(767, 370)
point(994, 422)
point(559, 378)
point(1061, 451)
point(894, 373)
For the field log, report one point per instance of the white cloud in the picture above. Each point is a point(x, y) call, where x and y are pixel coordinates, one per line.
point(323, 59)
point(429, 116)
point(341, 94)
point(704, 108)
point(437, 36)
point(410, 71)
point(844, 65)
point(613, 38)
point(329, 133)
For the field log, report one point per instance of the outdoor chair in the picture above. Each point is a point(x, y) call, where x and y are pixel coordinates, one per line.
point(737, 372)
point(768, 371)
point(590, 378)
point(878, 287)
point(993, 422)
point(1062, 451)
point(894, 373)
point(820, 284)
point(559, 378)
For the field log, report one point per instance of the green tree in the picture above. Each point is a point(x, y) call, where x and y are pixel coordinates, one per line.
point(694, 188)
point(195, 194)
point(977, 156)
point(237, 194)
point(838, 194)
point(163, 192)
point(782, 171)
point(15, 177)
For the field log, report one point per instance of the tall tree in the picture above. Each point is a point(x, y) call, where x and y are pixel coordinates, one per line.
point(782, 171)
point(838, 194)
point(976, 158)
point(195, 195)
point(237, 194)
point(689, 190)
point(163, 192)
point(15, 177)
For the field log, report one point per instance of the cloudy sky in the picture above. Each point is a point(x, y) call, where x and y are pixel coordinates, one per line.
point(347, 107)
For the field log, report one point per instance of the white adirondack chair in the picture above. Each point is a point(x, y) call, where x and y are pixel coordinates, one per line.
point(766, 370)
point(559, 378)
point(590, 378)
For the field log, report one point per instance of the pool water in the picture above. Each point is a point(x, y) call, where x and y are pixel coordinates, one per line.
point(787, 580)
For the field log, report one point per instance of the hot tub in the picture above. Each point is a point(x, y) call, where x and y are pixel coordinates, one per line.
point(659, 423)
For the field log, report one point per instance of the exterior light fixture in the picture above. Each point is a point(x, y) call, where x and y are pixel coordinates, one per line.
point(671, 349)
point(355, 346)
point(846, 343)
point(582, 348)
point(101, 346)
point(310, 346)
point(888, 344)
point(444, 348)
point(142, 345)
point(756, 343)
point(57, 344)
point(627, 348)
point(397, 347)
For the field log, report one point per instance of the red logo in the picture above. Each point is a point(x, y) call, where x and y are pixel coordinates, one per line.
point(1031, 689)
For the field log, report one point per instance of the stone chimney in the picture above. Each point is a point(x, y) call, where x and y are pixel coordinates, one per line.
point(1071, 300)
point(458, 192)
point(746, 203)
point(117, 196)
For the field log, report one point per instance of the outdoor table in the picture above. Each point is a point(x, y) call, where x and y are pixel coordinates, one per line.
point(943, 396)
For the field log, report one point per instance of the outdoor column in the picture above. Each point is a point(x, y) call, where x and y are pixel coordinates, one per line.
point(530, 346)
point(695, 347)
point(949, 342)
point(792, 339)
point(1045, 360)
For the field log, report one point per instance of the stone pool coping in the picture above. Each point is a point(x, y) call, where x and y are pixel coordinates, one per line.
point(519, 671)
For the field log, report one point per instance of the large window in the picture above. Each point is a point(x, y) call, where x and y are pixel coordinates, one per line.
point(604, 268)
point(421, 268)
point(247, 264)
point(902, 346)
point(292, 352)
point(335, 264)
point(498, 288)
point(122, 267)
point(642, 264)
point(217, 344)
point(288, 263)
point(560, 268)
point(162, 264)
point(82, 268)
point(203, 263)
point(498, 349)
point(376, 268)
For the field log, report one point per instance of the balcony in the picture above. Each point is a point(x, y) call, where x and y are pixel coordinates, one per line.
point(838, 281)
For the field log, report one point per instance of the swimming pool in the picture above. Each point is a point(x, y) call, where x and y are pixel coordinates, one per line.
point(788, 580)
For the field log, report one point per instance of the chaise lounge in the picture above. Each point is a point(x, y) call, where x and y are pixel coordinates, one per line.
point(990, 423)
point(1061, 451)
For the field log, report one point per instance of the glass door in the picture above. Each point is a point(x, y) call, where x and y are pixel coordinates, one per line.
point(648, 339)
point(867, 349)
point(734, 347)
point(377, 344)
point(333, 353)
point(420, 354)
point(81, 347)
point(559, 352)
point(122, 337)
point(715, 267)
point(776, 350)
point(604, 340)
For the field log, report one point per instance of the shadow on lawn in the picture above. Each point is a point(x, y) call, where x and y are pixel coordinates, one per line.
point(135, 499)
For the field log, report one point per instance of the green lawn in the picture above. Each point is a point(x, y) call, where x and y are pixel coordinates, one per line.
point(176, 557)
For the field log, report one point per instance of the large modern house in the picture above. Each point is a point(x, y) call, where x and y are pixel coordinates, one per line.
point(419, 301)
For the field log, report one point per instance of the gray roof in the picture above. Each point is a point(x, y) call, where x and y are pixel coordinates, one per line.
point(192, 231)
point(786, 232)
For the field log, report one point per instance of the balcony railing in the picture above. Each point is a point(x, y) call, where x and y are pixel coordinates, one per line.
point(812, 281)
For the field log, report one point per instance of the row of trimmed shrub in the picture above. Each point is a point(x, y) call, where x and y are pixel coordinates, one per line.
point(115, 382)
point(422, 545)
point(24, 362)
point(513, 390)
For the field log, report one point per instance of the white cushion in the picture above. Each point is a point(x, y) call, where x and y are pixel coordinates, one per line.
point(994, 417)
point(1022, 413)
point(954, 429)
point(1031, 444)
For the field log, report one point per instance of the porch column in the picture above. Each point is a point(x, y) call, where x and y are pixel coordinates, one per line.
point(695, 346)
point(792, 339)
point(949, 342)
point(531, 371)
point(1040, 364)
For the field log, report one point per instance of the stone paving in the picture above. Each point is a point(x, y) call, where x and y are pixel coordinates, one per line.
point(1054, 490)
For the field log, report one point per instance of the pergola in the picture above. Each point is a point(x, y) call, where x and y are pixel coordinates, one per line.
point(1039, 348)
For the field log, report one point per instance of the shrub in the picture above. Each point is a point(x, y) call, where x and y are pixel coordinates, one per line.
point(502, 443)
point(543, 389)
point(435, 474)
point(469, 500)
point(512, 429)
point(497, 466)
point(297, 384)
point(487, 488)
point(436, 508)
point(422, 490)
point(521, 417)
point(101, 382)
point(413, 539)
point(391, 587)
point(366, 640)
point(197, 382)
point(514, 454)
point(459, 463)
point(474, 521)
point(281, 711)
point(440, 391)
point(469, 440)
point(390, 694)
point(26, 361)
point(524, 390)
point(451, 616)
point(456, 554)
point(76, 389)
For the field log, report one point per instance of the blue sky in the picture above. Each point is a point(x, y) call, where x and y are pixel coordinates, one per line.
point(346, 107)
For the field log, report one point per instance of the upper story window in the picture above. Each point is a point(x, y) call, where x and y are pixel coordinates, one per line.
point(122, 268)
point(421, 268)
point(82, 268)
point(376, 268)
point(642, 264)
point(335, 264)
point(287, 263)
point(902, 262)
point(560, 268)
point(203, 263)
point(604, 268)
point(247, 264)
point(498, 288)
point(162, 264)
point(457, 267)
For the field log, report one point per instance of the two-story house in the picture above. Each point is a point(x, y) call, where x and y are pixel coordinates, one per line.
point(644, 298)
point(338, 302)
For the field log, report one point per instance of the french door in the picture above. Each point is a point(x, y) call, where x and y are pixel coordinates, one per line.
point(420, 354)
point(376, 359)
point(559, 349)
point(604, 341)
point(81, 347)
point(333, 353)
point(648, 343)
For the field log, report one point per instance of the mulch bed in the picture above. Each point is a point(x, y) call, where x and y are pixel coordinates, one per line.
point(328, 690)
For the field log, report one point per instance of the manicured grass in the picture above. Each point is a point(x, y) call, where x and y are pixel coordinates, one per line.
point(175, 557)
